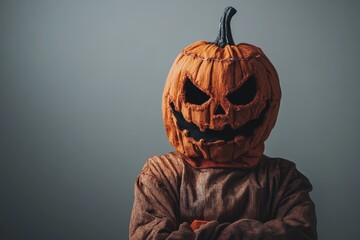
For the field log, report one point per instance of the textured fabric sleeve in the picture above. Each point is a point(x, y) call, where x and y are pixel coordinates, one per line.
point(294, 217)
point(155, 210)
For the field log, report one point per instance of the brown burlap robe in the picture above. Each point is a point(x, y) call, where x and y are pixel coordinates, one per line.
point(270, 201)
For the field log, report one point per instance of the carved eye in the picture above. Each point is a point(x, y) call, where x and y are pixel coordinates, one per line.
point(193, 94)
point(245, 93)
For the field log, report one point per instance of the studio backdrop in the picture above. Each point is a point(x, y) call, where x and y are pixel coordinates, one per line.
point(80, 105)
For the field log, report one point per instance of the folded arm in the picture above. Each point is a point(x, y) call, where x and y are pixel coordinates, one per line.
point(295, 217)
point(155, 211)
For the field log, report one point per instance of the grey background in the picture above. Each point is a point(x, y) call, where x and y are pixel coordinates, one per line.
point(80, 104)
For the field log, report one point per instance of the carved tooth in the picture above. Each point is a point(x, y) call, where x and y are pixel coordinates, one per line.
point(202, 128)
point(219, 141)
point(239, 139)
point(186, 133)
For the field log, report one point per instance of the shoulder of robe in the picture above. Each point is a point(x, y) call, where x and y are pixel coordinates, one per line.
point(276, 163)
point(281, 170)
point(167, 167)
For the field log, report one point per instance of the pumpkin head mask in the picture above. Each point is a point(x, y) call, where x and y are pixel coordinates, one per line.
point(221, 101)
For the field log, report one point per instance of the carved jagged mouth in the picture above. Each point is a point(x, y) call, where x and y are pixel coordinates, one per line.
point(209, 135)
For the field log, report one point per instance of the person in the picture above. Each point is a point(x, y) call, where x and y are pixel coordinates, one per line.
point(220, 103)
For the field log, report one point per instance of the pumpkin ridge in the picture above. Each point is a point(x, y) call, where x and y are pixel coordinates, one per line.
point(205, 49)
point(231, 59)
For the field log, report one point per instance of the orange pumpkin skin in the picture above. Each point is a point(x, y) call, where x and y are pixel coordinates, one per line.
point(219, 71)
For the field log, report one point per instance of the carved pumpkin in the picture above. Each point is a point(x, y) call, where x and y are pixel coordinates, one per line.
point(221, 101)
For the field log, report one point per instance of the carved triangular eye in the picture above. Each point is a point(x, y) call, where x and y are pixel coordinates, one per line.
point(245, 93)
point(193, 94)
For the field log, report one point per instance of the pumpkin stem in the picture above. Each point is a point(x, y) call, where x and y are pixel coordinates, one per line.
point(224, 37)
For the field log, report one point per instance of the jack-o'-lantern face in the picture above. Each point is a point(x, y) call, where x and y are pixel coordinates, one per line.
point(220, 100)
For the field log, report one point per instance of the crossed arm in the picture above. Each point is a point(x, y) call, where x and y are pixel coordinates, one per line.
point(156, 212)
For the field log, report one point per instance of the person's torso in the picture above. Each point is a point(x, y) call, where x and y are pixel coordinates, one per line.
point(222, 194)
